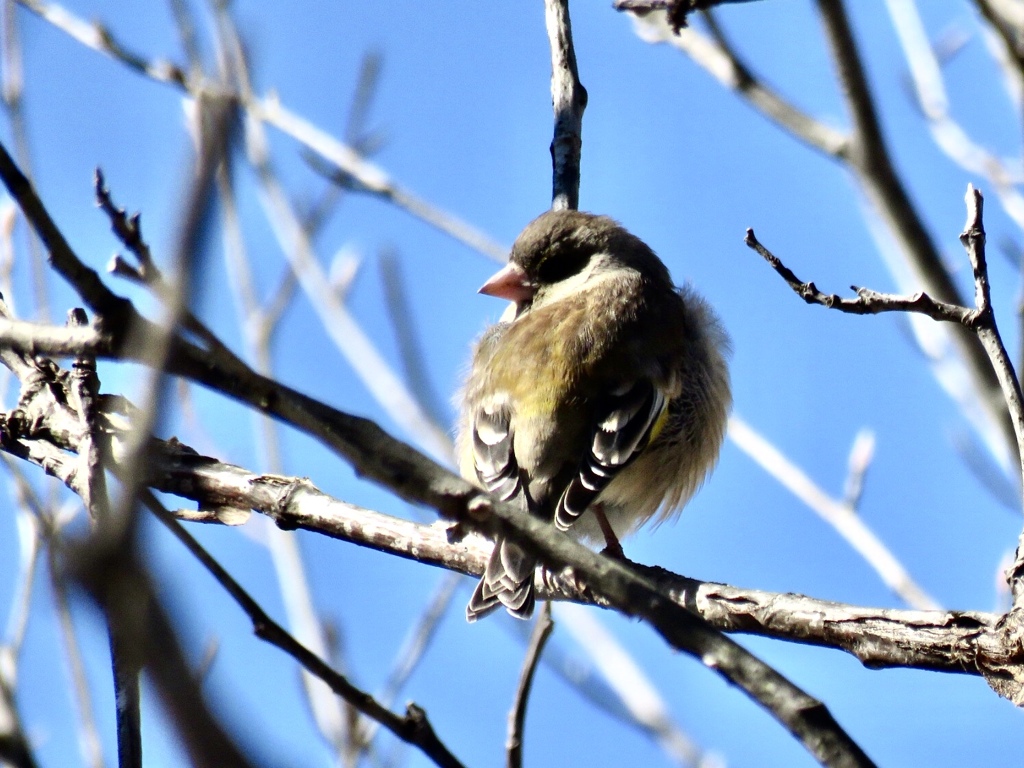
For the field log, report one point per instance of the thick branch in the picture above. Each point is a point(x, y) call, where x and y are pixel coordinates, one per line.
point(1001, 665)
point(416, 478)
point(947, 641)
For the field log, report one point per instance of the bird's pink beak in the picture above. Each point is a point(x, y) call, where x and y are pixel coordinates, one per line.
point(509, 283)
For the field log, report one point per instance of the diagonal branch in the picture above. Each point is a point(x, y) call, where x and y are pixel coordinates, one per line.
point(721, 60)
point(941, 640)
point(369, 177)
point(841, 515)
point(413, 728)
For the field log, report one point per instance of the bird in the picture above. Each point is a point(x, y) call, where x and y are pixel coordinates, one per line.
point(598, 401)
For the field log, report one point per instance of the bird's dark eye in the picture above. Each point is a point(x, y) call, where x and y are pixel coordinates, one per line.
point(562, 264)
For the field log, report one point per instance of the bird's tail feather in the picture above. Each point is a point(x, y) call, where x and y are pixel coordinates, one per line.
point(507, 580)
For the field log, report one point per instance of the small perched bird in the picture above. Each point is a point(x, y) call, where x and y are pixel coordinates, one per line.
point(599, 400)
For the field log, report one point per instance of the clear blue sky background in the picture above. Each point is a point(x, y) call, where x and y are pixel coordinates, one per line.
point(464, 107)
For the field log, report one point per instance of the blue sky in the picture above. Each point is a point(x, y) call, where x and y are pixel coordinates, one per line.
point(463, 108)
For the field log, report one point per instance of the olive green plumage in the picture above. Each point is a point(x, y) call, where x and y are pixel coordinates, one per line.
point(603, 386)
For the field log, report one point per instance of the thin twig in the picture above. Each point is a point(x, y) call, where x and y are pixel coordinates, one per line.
point(866, 155)
point(1006, 17)
point(871, 160)
point(87, 283)
point(1009, 680)
point(640, 702)
point(371, 367)
point(185, 23)
point(410, 348)
point(371, 178)
point(88, 734)
point(973, 240)
point(419, 637)
point(124, 590)
point(413, 728)
point(127, 698)
point(345, 332)
point(930, 93)
point(15, 750)
point(28, 525)
point(862, 452)
point(415, 645)
point(542, 628)
point(868, 302)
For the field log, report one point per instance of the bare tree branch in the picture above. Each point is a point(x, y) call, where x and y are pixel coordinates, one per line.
point(418, 479)
point(413, 727)
point(868, 302)
point(724, 63)
point(569, 100)
point(866, 154)
point(369, 177)
point(542, 629)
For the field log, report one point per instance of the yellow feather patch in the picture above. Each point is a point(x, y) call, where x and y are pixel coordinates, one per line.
point(659, 423)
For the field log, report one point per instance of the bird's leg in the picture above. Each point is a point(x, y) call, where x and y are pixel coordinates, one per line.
point(612, 546)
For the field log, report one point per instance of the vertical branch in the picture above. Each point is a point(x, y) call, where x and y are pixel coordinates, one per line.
point(122, 587)
point(517, 717)
point(1011, 625)
point(568, 99)
point(973, 240)
point(127, 699)
point(125, 661)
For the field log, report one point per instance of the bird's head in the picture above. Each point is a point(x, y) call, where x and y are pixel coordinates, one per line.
point(561, 252)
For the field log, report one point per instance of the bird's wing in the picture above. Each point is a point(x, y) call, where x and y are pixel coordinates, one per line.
point(623, 427)
point(508, 579)
point(493, 454)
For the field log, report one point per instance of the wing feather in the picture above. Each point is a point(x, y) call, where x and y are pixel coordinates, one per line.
point(508, 578)
point(622, 429)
